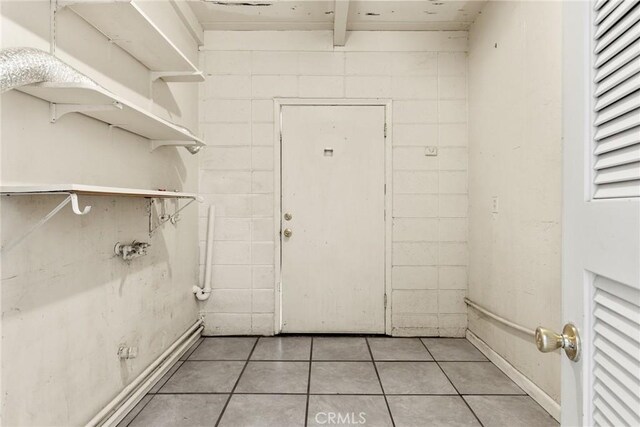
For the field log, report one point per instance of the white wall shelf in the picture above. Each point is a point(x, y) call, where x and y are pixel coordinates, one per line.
point(128, 26)
point(72, 191)
point(93, 190)
point(95, 101)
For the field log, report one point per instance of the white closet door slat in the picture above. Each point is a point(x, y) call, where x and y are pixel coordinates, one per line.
point(614, 17)
point(627, 55)
point(618, 125)
point(622, 74)
point(621, 173)
point(618, 108)
point(617, 190)
point(606, 10)
point(603, 407)
point(616, 354)
point(618, 45)
point(618, 305)
point(617, 371)
point(605, 347)
point(617, 141)
point(628, 401)
point(627, 87)
point(616, 91)
point(619, 157)
point(625, 23)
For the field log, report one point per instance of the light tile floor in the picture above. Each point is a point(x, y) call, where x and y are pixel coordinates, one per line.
point(335, 381)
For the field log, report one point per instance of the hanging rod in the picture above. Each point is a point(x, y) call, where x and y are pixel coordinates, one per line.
point(499, 318)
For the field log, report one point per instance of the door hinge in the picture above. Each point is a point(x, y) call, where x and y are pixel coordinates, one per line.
point(385, 300)
point(385, 130)
point(280, 137)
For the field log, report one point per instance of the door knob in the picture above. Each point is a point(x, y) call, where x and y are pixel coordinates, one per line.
point(569, 340)
point(287, 232)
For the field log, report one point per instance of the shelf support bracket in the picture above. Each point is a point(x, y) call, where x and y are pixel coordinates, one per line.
point(75, 208)
point(56, 111)
point(178, 76)
point(71, 198)
point(192, 146)
point(173, 218)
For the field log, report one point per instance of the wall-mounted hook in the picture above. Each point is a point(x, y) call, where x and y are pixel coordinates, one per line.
point(76, 208)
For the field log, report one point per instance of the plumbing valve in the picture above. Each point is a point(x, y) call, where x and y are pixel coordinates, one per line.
point(131, 251)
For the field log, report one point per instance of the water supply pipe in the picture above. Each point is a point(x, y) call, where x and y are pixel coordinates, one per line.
point(202, 293)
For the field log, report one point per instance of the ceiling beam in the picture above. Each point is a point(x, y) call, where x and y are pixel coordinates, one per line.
point(189, 19)
point(340, 13)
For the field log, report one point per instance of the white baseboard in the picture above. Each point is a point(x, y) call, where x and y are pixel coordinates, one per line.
point(139, 393)
point(536, 393)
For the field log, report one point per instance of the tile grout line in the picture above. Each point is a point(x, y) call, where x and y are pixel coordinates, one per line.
point(140, 411)
point(186, 354)
point(306, 411)
point(452, 384)
point(336, 360)
point(181, 361)
point(332, 394)
point(224, 408)
point(375, 367)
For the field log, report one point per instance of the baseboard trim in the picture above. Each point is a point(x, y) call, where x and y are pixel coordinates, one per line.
point(148, 380)
point(536, 393)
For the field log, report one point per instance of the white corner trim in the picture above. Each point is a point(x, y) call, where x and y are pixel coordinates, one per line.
point(536, 393)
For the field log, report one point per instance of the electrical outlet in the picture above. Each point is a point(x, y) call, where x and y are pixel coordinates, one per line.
point(127, 352)
point(494, 204)
point(431, 151)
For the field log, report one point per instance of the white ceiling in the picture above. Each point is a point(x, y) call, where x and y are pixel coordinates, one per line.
point(365, 15)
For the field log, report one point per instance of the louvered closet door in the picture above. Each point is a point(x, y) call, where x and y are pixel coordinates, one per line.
point(601, 211)
point(616, 98)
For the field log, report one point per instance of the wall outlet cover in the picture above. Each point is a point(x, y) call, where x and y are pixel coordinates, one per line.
point(494, 204)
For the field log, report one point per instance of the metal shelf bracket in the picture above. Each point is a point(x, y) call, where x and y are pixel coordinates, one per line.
point(164, 218)
point(177, 76)
point(71, 198)
point(56, 111)
point(74, 205)
point(189, 145)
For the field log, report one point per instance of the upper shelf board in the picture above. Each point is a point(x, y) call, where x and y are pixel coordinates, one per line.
point(128, 26)
point(93, 190)
point(99, 103)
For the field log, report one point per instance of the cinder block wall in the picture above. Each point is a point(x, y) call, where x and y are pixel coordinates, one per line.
point(424, 73)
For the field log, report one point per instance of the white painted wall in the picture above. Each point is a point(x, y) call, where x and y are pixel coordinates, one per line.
point(424, 73)
point(67, 302)
point(515, 155)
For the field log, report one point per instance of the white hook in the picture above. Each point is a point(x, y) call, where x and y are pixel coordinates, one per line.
point(76, 208)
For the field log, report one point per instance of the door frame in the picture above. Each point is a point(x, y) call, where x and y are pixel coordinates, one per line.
point(278, 103)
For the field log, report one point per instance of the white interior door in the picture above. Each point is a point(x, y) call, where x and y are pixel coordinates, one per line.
point(333, 188)
point(601, 253)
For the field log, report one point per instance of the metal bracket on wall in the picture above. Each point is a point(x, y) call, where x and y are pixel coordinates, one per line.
point(58, 110)
point(71, 198)
point(157, 143)
point(178, 76)
point(163, 217)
